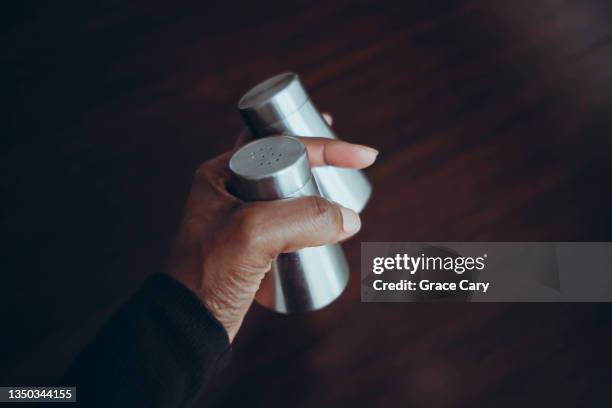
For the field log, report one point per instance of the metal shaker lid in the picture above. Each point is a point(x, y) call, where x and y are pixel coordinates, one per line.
point(272, 100)
point(270, 168)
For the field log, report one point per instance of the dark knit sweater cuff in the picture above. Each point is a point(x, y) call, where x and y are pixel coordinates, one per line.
point(206, 341)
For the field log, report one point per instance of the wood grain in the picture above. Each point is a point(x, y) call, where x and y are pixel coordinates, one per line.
point(493, 120)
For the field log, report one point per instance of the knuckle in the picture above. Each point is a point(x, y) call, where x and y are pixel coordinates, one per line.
point(250, 235)
point(248, 225)
point(325, 212)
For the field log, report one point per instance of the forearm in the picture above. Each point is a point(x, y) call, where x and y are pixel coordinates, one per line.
point(158, 350)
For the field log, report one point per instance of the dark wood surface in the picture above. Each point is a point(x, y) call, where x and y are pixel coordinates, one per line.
point(494, 122)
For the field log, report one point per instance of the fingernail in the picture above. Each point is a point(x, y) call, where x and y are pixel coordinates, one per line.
point(328, 118)
point(369, 149)
point(350, 221)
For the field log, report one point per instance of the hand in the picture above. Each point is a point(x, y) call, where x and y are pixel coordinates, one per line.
point(224, 246)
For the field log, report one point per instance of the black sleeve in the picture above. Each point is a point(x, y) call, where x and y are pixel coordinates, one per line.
point(158, 350)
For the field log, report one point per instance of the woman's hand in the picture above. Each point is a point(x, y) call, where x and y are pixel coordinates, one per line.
point(224, 246)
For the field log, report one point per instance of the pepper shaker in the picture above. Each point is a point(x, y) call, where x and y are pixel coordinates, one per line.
point(280, 105)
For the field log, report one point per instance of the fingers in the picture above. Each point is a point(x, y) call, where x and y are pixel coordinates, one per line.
point(332, 152)
point(209, 189)
point(274, 227)
point(243, 138)
point(328, 152)
point(214, 172)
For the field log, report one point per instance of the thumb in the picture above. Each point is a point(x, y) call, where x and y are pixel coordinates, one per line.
point(272, 227)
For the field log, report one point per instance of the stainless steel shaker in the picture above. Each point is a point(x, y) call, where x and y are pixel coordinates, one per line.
point(275, 168)
point(280, 105)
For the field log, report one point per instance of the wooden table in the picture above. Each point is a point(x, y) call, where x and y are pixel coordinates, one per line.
point(494, 121)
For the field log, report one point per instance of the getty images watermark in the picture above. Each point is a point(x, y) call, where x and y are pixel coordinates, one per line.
point(486, 271)
point(413, 264)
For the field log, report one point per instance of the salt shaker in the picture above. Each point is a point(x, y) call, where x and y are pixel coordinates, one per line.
point(275, 168)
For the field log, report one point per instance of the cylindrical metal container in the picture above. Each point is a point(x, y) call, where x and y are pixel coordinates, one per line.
point(274, 168)
point(280, 105)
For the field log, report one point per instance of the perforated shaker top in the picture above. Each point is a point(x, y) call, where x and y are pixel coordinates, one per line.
point(270, 168)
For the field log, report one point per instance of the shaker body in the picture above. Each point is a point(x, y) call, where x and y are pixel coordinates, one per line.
point(301, 281)
point(280, 105)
